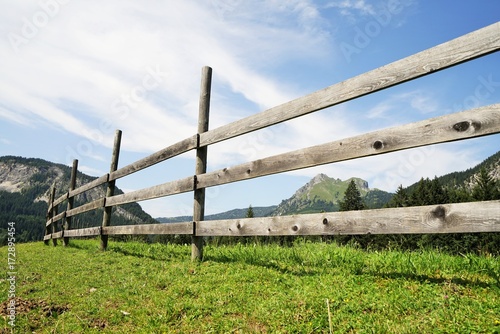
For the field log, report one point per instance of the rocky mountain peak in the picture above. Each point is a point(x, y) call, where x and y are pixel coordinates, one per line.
point(321, 193)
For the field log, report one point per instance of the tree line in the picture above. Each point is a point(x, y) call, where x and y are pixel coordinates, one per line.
point(430, 192)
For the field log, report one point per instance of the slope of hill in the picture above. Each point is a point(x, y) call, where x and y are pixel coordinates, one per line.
point(468, 177)
point(24, 191)
point(323, 193)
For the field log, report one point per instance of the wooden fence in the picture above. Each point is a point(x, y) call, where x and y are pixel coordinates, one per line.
point(446, 218)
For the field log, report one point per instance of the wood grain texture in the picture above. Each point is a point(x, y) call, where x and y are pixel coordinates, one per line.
point(56, 218)
point(57, 235)
point(58, 201)
point(467, 124)
point(71, 200)
point(97, 182)
point(162, 155)
point(173, 228)
point(86, 207)
point(83, 232)
point(445, 218)
point(473, 45)
point(165, 189)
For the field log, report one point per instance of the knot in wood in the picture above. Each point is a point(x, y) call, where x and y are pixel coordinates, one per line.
point(439, 212)
point(465, 125)
point(325, 221)
point(461, 126)
point(295, 228)
point(378, 145)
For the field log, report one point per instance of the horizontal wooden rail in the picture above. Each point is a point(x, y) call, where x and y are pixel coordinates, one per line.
point(86, 207)
point(83, 232)
point(165, 189)
point(162, 155)
point(467, 124)
point(58, 201)
point(57, 235)
point(172, 228)
point(444, 218)
point(97, 182)
point(60, 216)
point(468, 47)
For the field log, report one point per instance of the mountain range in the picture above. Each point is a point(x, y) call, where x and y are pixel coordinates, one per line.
point(25, 185)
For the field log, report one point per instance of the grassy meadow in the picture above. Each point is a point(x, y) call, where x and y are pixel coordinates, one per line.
point(306, 288)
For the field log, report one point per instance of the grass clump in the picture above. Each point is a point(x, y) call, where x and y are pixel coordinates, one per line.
point(153, 288)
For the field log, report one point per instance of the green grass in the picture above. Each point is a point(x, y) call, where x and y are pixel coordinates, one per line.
point(141, 288)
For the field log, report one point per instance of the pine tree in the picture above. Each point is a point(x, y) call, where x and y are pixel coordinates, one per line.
point(352, 199)
point(250, 212)
point(400, 198)
point(486, 188)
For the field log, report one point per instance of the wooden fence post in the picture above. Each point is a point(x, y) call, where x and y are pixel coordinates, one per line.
point(50, 212)
point(55, 211)
point(106, 219)
point(71, 200)
point(201, 162)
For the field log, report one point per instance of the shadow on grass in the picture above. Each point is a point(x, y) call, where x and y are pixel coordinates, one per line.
point(432, 280)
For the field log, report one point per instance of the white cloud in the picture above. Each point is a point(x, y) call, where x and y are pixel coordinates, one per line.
point(88, 56)
point(352, 7)
point(408, 105)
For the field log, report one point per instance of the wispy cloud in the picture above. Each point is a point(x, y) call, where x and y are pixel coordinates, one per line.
point(96, 55)
point(352, 7)
point(416, 102)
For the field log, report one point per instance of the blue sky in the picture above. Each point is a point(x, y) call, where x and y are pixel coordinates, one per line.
point(74, 71)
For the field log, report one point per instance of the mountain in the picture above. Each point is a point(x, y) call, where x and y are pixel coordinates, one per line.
point(323, 193)
point(263, 211)
point(24, 192)
point(468, 178)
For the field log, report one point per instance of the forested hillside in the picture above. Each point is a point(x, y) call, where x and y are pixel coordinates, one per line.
point(24, 192)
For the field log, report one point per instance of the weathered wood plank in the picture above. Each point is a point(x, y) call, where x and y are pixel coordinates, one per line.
point(50, 212)
point(165, 189)
point(97, 182)
point(473, 45)
point(83, 232)
point(201, 159)
point(86, 207)
point(162, 155)
point(71, 200)
point(110, 189)
point(47, 237)
point(60, 216)
point(57, 235)
point(58, 201)
point(467, 124)
point(174, 228)
point(445, 218)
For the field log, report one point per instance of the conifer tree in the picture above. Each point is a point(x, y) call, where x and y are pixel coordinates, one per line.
point(250, 212)
point(400, 198)
point(352, 199)
point(486, 188)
